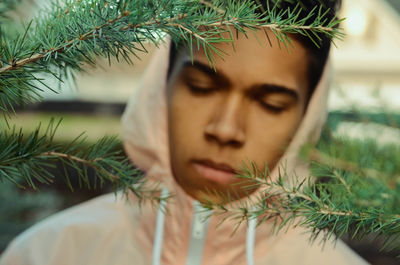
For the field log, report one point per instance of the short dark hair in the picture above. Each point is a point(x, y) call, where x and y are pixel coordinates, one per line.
point(317, 54)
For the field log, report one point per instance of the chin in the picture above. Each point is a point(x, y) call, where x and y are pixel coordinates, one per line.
point(221, 194)
point(206, 188)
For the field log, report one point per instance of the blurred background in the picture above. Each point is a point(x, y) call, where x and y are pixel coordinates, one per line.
point(366, 87)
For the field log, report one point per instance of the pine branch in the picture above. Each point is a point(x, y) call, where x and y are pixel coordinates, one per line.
point(340, 198)
point(319, 157)
point(74, 33)
point(88, 163)
point(312, 207)
point(28, 159)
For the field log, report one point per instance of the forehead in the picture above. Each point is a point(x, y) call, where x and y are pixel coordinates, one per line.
point(252, 59)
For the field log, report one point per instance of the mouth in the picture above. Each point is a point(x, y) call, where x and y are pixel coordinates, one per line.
point(216, 172)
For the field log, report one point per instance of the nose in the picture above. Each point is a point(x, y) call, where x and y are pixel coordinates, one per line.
point(226, 124)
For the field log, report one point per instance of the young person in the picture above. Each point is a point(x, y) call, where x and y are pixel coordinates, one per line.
point(190, 128)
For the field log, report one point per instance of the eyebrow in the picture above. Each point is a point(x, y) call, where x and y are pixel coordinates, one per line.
point(206, 69)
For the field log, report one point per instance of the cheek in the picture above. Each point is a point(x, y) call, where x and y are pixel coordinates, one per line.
point(269, 135)
point(186, 118)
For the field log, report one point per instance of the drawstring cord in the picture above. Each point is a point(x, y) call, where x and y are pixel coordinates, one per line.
point(158, 237)
point(250, 238)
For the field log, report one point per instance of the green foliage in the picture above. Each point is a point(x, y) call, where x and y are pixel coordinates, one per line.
point(6, 6)
point(28, 158)
point(364, 186)
point(73, 33)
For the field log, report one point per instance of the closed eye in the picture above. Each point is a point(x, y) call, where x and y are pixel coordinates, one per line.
point(274, 98)
point(200, 89)
point(275, 106)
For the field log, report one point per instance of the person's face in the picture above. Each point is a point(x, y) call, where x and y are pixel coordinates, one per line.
point(248, 110)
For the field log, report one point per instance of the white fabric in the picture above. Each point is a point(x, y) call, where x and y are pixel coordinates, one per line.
point(158, 239)
point(250, 237)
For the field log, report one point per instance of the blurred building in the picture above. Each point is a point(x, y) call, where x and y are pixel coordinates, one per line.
point(367, 68)
point(367, 62)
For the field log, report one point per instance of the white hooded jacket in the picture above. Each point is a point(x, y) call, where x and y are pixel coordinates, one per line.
point(115, 230)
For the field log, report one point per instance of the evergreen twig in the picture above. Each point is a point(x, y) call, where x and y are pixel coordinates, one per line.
point(74, 33)
point(341, 197)
point(26, 158)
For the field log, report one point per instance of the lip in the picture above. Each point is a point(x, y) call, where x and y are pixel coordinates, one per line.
point(216, 172)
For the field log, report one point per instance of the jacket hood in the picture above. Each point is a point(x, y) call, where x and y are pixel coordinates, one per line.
point(145, 125)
